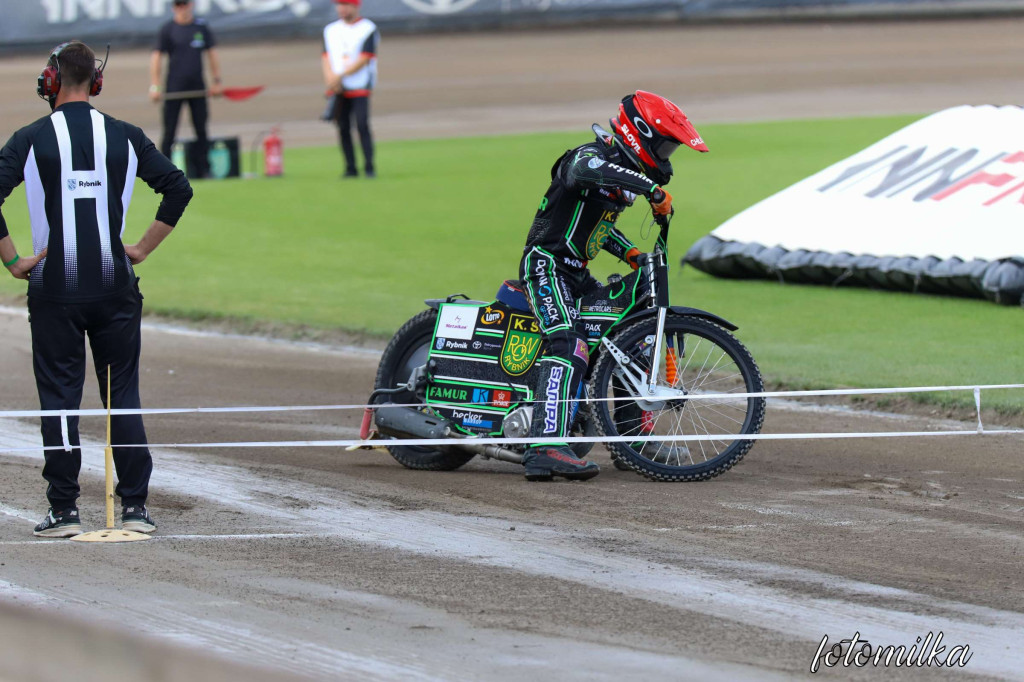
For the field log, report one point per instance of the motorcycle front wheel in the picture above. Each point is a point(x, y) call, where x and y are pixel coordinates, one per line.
point(697, 357)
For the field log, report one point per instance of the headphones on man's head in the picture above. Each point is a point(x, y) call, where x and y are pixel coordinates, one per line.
point(48, 83)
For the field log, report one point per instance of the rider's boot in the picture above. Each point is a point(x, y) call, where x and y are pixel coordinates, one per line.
point(552, 415)
point(544, 462)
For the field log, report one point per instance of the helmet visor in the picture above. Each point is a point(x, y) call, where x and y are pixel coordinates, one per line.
point(663, 148)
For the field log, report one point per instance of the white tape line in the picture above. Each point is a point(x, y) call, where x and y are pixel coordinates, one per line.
point(571, 439)
point(592, 439)
point(178, 410)
point(313, 408)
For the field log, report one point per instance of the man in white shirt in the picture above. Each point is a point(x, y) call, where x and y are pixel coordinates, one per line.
point(350, 71)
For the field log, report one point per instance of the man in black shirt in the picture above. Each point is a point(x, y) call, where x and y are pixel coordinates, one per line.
point(183, 40)
point(79, 168)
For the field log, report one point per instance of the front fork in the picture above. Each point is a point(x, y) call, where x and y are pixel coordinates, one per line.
point(645, 386)
point(656, 360)
point(657, 277)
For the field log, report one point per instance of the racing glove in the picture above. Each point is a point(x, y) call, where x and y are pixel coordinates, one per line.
point(661, 201)
point(631, 257)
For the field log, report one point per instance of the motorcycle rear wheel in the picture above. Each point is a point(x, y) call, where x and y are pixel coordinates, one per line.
point(708, 360)
point(408, 350)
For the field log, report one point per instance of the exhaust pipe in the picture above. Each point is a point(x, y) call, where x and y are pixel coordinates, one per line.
point(494, 452)
point(405, 422)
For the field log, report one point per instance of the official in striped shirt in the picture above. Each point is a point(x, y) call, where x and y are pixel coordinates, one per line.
point(79, 168)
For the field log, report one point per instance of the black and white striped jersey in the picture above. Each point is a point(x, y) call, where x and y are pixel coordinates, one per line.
point(79, 168)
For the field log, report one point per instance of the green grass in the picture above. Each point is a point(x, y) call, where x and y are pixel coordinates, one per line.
point(452, 215)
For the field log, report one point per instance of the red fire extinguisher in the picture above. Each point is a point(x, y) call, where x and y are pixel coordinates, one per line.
point(273, 155)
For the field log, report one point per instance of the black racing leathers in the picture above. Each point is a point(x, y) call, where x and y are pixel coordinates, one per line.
point(590, 187)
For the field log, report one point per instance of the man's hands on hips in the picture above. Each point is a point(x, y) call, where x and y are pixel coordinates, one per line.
point(22, 267)
point(135, 253)
point(156, 233)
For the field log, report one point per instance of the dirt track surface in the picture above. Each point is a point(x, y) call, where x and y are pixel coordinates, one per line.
point(338, 565)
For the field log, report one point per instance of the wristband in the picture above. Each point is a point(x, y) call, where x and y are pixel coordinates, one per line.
point(13, 261)
point(154, 88)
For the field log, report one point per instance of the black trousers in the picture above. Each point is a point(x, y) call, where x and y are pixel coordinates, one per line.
point(199, 110)
point(358, 108)
point(58, 357)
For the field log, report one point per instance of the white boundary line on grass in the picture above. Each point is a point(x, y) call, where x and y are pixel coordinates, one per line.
point(180, 330)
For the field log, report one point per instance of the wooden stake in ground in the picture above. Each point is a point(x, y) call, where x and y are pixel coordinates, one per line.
point(110, 534)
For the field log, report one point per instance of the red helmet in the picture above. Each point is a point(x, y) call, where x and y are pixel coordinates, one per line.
point(649, 129)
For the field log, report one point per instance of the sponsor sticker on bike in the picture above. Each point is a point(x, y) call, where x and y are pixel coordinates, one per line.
point(457, 322)
point(492, 316)
point(603, 305)
point(502, 398)
point(443, 391)
point(472, 419)
point(522, 344)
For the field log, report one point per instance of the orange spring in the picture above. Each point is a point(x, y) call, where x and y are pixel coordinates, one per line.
point(671, 367)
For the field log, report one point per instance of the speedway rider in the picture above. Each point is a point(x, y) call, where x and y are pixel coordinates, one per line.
point(590, 186)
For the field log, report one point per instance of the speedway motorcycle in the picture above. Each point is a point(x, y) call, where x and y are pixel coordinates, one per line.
point(466, 369)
